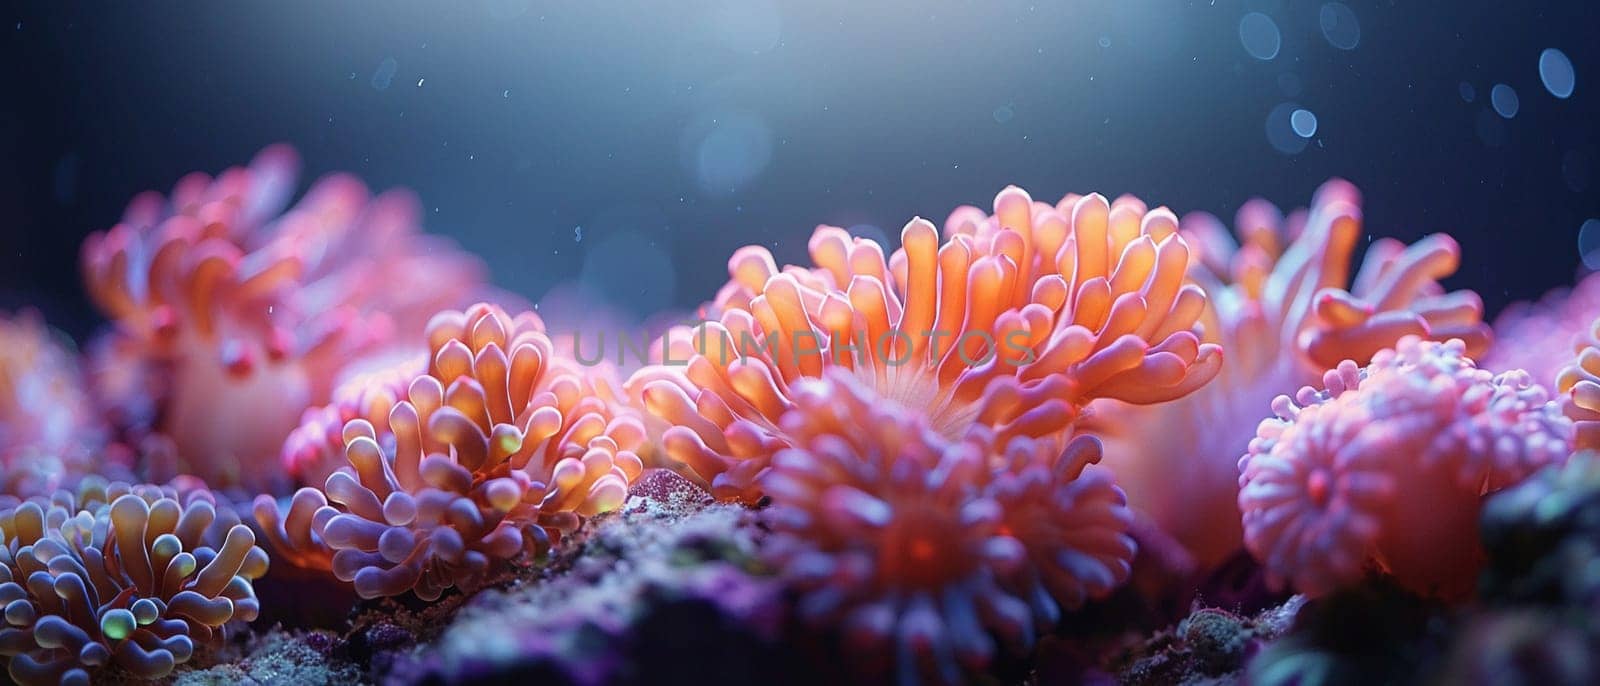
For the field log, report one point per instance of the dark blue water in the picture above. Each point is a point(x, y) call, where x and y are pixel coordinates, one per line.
point(630, 147)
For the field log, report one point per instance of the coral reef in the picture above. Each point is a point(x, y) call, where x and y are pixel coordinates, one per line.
point(926, 557)
point(1014, 324)
point(135, 577)
point(498, 448)
point(1537, 337)
point(232, 315)
point(1387, 467)
point(1284, 309)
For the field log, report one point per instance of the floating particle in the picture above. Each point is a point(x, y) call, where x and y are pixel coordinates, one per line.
point(1555, 70)
point(1504, 99)
point(1339, 26)
point(1281, 131)
point(1589, 243)
point(1260, 36)
point(384, 75)
point(577, 234)
point(1304, 123)
point(1105, 41)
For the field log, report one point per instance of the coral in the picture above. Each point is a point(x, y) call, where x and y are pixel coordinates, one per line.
point(1013, 324)
point(1537, 337)
point(50, 435)
point(1284, 309)
point(1388, 467)
point(1579, 385)
point(232, 315)
point(929, 555)
point(315, 449)
point(497, 448)
point(133, 576)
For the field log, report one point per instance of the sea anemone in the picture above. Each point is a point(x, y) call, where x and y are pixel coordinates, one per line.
point(50, 435)
point(939, 552)
point(1579, 385)
point(1388, 466)
point(498, 448)
point(137, 577)
point(1537, 336)
point(1283, 307)
point(315, 449)
point(230, 319)
point(1013, 324)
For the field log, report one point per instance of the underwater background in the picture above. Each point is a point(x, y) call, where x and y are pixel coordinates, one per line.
point(630, 147)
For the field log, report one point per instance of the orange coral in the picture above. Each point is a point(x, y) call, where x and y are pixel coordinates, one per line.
point(1014, 323)
point(315, 449)
point(1387, 468)
point(497, 447)
point(133, 576)
point(1284, 309)
point(940, 551)
point(231, 319)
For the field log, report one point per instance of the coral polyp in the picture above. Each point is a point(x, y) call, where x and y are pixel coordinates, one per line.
point(910, 545)
point(1387, 467)
point(232, 315)
point(497, 449)
point(1284, 308)
point(1579, 385)
point(1013, 323)
point(50, 434)
point(134, 579)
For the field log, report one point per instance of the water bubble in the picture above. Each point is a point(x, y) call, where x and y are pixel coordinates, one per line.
point(1304, 123)
point(1504, 99)
point(1260, 36)
point(1339, 26)
point(1003, 114)
point(1468, 93)
point(1555, 70)
point(384, 75)
point(1589, 243)
point(505, 93)
point(1281, 132)
point(577, 234)
point(1105, 41)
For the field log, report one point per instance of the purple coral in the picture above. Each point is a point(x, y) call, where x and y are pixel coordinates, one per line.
point(136, 577)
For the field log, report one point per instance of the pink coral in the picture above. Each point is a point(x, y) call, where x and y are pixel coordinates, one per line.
point(500, 446)
point(1537, 337)
point(138, 577)
point(1387, 468)
point(1283, 307)
point(939, 552)
point(1014, 323)
point(315, 449)
point(231, 318)
point(50, 435)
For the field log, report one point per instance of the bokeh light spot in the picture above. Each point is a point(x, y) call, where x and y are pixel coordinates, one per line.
point(1281, 132)
point(1468, 93)
point(384, 74)
point(1004, 113)
point(1260, 36)
point(1339, 26)
point(1304, 123)
point(1555, 70)
point(725, 151)
point(1589, 243)
point(1504, 99)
